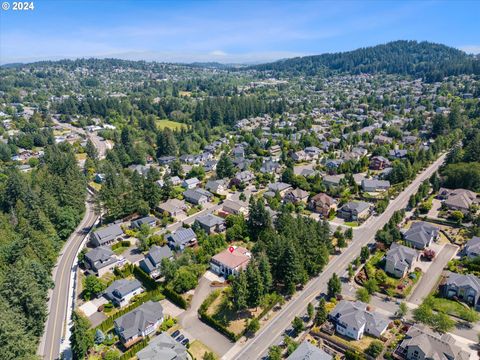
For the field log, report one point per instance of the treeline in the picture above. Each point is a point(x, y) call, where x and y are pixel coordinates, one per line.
point(420, 59)
point(39, 210)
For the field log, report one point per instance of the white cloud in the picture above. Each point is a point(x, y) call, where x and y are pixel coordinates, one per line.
point(218, 53)
point(470, 49)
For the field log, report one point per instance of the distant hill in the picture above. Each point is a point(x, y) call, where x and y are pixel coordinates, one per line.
point(420, 59)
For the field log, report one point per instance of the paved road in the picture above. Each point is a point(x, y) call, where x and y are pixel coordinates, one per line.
point(430, 278)
point(55, 326)
point(266, 337)
point(193, 325)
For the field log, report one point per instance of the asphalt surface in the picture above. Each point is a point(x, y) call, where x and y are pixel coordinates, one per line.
point(56, 323)
point(430, 278)
point(254, 348)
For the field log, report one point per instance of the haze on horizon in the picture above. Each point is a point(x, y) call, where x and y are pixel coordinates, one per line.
point(227, 31)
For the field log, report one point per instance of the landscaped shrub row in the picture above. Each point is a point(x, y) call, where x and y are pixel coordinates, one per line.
point(147, 281)
point(134, 349)
point(174, 297)
point(202, 312)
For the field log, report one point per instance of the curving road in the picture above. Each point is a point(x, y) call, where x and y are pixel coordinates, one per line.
point(55, 326)
point(256, 347)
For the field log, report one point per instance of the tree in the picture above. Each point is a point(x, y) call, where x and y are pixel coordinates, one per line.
point(310, 311)
point(274, 353)
point(363, 295)
point(364, 254)
point(240, 291)
point(209, 356)
point(341, 242)
point(184, 280)
point(292, 269)
point(92, 286)
point(375, 348)
point(371, 286)
point(402, 309)
point(349, 233)
point(266, 273)
point(334, 286)
point(112, 354)
point(81, 338)
point(443, 323)
point(99, 337)
point(321, 315)
point(351, 272)
point(253, 326)
point(225, 168)
point(254, 285)
point(298, 325)
point(91, 150)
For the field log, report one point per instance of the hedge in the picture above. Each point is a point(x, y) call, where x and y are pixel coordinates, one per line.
point(134, 349)
point(202, 312)
point(175, 298)
point(149, 283)
point(123, 243)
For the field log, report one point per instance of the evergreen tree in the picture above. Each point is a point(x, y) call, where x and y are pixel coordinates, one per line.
point(82, 338)
point(293, 271)
point(225, 168)
point(334, 286)
point(266, 273)
point(240, 291)
point(91, 150)
point(254, 285)
point(321, 315)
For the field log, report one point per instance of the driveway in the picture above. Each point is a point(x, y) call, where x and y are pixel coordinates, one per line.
point(430, 278)
point(193, 325)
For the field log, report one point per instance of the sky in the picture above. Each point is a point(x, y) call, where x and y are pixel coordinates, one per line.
point(247, 31)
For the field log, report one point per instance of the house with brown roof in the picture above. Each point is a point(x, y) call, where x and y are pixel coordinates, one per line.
point(228, 263)
point(296, 196)
point(322, 204)
point(379, 163)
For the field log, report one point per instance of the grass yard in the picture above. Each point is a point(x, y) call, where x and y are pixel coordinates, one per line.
point(172, 125)
point(351, 223)
point(120, 250)
point(228, 317)
point(198, 349)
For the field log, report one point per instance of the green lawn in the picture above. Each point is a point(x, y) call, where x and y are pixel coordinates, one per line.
point(351, 223)
point(173, 125)
point(452, 307)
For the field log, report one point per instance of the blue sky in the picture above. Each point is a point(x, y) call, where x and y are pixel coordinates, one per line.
point(227, 31)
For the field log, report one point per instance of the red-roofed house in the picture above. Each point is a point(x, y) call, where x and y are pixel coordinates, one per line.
point(228, 263)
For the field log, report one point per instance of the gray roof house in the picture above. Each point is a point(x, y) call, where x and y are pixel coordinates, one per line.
point(101, 260)
point(106, 235)
point(465, 288)
point(190, 183)
point(216, 186)
point(354, 210)
point(296, 196)
point(138, 323)
point(148, 220)
point(121, 291)
point(152, 261)
point(281, 187)
point(352, 319)
point(421, 343)
point(244, 176)
point(173, 207)
point(332, 180)
point(420, 235)
point(372, 185)
point(472, 247)
point(182, 238)
point(163, 347)
point(399, 260)
point(211, 223)
point(308, 351)
point(460, 199)
point(197, 196)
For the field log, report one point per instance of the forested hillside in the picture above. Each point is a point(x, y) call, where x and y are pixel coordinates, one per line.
point(39, 210)
point(420, 59)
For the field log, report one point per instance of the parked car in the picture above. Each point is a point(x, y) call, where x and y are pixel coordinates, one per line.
point(185, 341)
point(180, 338)
point(175, 333)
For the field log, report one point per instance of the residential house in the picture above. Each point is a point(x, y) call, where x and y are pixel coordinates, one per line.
point(153, 260)
point(308, 351)
point(322, 204)
point(163, 347)
point(398, 153)
point(101, 260)
point(235, 207)
point(472, 247)
point(165, 160)
point(379, 163)
point(197, 196)
point(313, 152)
point(182, 238)
point(462, 287)
point(139, 323)
point(211, 223)
point(281, 187)
point(106, 235)
point(353, 320)
point(420, 343)
point(175, 180)
point(270, 167)
point(333, 165)
point(333, 180)
point(275, 150)
point(173, 207)
point(217, 187)
point(296, 196)
point(238, 152)
point(382, 140)
point(373, 185)
point(120, 292)
point(228, 263)
point(400, 260)
point(458, 199)
point(420, 235)
point(299, 156)
point(354, 211)
point(150, 221)
point(190, 183)
point(243, 177)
